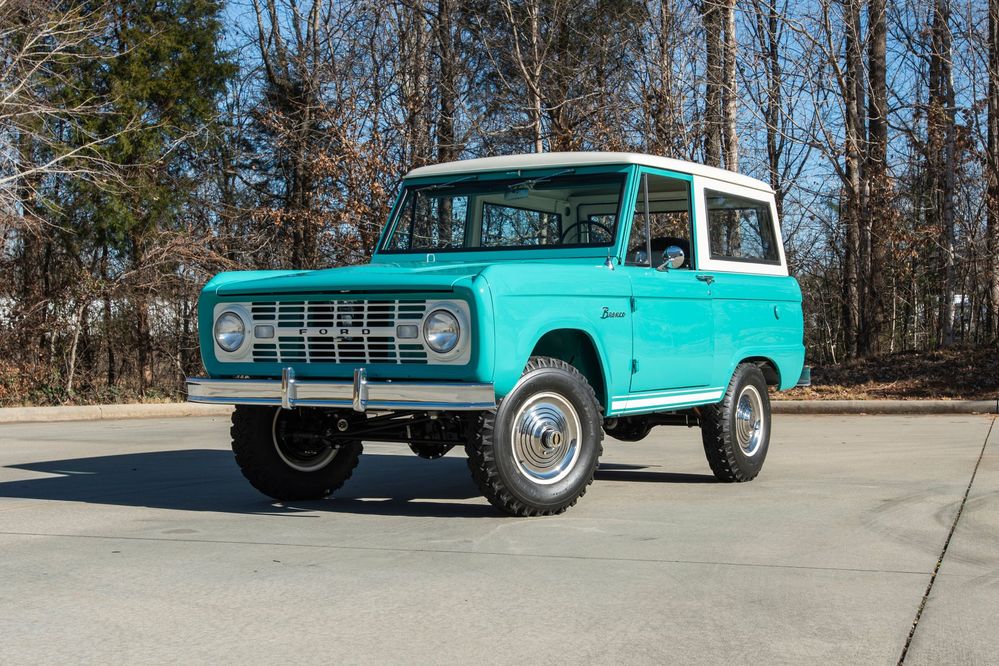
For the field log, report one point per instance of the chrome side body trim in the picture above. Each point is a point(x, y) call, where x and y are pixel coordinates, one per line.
point(360, 394)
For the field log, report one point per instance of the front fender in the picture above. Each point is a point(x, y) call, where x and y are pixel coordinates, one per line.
point(528, 306)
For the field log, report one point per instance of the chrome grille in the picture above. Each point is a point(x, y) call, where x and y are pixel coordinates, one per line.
point(348, 331)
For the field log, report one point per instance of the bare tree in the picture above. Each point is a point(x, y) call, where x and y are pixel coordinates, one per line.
point(668, 114)
point(854, 214)
point(712, 16)
point(289, 49)
point(531, 54)
point(721, 140)
point(413, 34)
point(662, 125)
point(877, 211)
point(730, 93)
point(941, 149)
point(42, 44)
point(448, 35)
point(774, 87)
point(992, 167)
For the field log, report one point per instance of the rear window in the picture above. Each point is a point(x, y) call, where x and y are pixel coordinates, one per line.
point(503, 224)
point(740, 229)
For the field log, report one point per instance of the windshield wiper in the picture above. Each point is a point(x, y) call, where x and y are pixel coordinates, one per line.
point(441, 186)
point(531, 182)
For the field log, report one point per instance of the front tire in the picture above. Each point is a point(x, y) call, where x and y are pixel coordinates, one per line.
point(736, 431)
point(291, 454)
point(537, 453)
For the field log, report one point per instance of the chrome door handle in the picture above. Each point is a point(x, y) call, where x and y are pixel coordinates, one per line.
point(706, 278)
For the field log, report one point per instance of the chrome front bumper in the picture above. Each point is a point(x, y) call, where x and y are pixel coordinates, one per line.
point(360, 395)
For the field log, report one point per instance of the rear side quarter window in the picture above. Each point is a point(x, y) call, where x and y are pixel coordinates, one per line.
point(740, 229)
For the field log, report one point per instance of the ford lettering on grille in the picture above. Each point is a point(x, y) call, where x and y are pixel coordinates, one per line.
point(335, 333)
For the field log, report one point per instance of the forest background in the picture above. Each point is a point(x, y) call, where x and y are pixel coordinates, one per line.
point(146, 145)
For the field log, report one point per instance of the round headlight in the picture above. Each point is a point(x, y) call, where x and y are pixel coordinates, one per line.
point(441, 331)
point(230, 331)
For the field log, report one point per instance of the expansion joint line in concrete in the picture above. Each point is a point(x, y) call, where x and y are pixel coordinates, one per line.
point(943, 552)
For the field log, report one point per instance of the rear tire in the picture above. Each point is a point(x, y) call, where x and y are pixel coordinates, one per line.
point(537, 453)
point(291, 455)
point(736, 431)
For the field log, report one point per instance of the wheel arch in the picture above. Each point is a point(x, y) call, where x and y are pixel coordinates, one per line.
point(769, 368)
point(577, 348)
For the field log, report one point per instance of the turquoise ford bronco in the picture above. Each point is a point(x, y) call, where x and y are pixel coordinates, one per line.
point(520, 307)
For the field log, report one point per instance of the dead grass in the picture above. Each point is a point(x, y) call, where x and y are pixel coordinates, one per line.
point(952, 374)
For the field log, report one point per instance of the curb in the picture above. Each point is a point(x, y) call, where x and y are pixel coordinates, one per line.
point(885, 406)
point(109, 412)
point(180, 409)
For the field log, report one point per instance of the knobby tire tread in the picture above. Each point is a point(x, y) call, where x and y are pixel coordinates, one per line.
point(481, 452)
point(249, 426)
point(717, 435)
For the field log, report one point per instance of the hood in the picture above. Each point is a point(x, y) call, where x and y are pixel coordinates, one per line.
point(368, 278)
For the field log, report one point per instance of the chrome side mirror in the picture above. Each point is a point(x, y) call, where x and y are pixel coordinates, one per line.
point(673, 257)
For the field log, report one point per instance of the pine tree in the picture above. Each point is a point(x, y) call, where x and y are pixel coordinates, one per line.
point(166, 78)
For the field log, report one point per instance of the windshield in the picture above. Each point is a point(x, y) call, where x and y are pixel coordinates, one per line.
point(562, 210)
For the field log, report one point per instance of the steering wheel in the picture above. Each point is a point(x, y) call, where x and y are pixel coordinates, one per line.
point(592, 223)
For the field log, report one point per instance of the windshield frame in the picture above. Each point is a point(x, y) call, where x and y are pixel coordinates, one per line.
point(602, 250)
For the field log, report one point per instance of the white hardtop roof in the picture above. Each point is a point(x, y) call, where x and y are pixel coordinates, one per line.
point(577, 159)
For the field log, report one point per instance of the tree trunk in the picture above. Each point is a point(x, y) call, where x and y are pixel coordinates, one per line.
point(877, 211)
point(448, 50)
point(663, 105)
point(714, 75)
point(730, 93)
point(78, 317)
point(536, 63)
point(992, 170)
point(942, 162)
point(854, 199)
point(107, 315)
point(447, 92)
point(143, 341)
point(414, 49)
point(767, 24)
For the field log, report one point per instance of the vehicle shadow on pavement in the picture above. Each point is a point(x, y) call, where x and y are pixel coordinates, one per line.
point(641, 473)
point(208, 480)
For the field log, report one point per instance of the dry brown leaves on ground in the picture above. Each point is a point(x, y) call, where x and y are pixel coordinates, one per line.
point(956, 374)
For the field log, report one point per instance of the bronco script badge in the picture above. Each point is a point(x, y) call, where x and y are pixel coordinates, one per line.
point(607, 314)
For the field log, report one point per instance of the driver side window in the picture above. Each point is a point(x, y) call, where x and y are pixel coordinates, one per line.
point(667, 222)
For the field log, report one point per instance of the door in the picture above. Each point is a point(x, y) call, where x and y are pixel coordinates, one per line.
point(673, 320)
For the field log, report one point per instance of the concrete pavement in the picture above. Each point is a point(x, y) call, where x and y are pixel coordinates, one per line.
point(125, 541)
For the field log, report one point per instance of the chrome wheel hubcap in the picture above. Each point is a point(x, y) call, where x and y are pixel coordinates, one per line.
point(749, 426)
point(545, 436)
point(300, 456)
